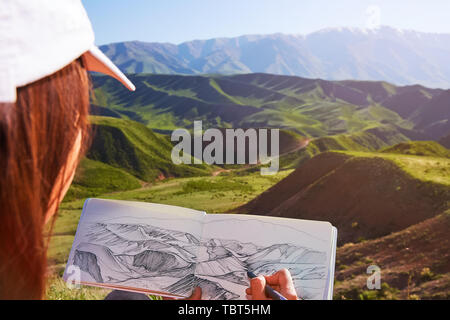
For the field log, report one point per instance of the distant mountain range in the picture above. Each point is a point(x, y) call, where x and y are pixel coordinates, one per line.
point(385, 53)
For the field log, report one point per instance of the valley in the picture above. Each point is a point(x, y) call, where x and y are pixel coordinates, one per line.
point(370, 157)
point(309, 107)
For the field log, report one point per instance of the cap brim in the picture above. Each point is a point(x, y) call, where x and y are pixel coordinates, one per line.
point(97, 61)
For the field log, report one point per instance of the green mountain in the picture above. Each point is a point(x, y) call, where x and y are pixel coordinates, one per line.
point(134, 148)
point(310, 107)
point(368, 194)
point(126, 155)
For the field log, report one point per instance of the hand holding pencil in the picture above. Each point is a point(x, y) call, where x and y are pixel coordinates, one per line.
point(280, 281)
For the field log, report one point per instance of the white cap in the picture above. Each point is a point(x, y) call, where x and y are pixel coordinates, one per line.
point(40, 37)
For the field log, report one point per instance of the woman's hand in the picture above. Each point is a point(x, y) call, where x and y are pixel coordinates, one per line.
point(196, 294)
point(280, 281)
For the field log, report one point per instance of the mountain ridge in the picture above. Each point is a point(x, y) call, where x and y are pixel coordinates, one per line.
point(398, 56)
point(311, 107)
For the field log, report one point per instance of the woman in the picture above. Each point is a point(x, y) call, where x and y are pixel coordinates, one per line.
point(46, 50)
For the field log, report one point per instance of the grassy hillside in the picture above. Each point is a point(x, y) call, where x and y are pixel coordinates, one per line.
point(414, 262)
point(94, 178)
point(367, 141)
point(311, 107)
point(420, 148)
point(367, 194)
point(136, 149)
point(126, 155)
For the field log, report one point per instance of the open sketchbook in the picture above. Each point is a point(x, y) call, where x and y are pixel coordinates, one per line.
point(166, 250)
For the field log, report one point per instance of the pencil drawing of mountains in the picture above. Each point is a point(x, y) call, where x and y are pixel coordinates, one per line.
point(144, 256)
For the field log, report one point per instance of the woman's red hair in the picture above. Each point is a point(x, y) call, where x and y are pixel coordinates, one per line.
point(37, 134)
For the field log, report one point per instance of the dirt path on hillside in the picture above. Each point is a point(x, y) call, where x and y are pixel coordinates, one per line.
point(217, 172)
point(301, 145)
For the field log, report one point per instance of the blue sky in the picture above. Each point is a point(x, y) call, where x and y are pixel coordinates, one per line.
point(177, 21)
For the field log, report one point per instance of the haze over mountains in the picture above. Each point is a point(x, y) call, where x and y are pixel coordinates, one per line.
point(385, 53)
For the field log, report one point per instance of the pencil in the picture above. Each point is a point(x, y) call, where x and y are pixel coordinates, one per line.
point(275, 295)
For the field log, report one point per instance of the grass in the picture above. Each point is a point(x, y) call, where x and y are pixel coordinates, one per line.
point(186, 93)
point(94, 178)
point(215, 186)
point(423, 168)
point(134, 148)
point(386, 292)
point(216, 86)
point(370, 140)
point(420, 148)
point(58, 290)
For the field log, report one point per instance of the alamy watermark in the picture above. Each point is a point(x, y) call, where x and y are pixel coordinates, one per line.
point(374, 280)
point(73, 277)
point(227, 146)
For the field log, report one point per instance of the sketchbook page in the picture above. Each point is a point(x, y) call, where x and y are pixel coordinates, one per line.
point(134, 246)
point(329, 291)
point(232, 244)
